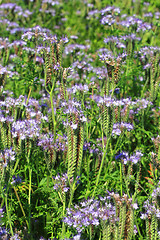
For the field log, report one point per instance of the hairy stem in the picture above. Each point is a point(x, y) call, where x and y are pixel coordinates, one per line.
point(101, 166)
point(8, 215)
point(53, 115)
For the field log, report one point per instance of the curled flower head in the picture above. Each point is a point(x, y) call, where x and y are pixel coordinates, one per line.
point(61, 183)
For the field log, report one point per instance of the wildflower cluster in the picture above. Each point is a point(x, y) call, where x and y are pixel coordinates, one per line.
point(96, 213)
point(61, 183)
point(124, 156)
point(119, 127)
point(6, 157)
point(79, 95)
point(90, 212)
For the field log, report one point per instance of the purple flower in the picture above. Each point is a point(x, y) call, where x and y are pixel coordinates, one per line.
point(74, 126)
point(121, 155)
point(77, 237)
point(7, 156)
point(135, 230)
point(61, 183)
point(143, 216)
point(135, 206)
point(15, 237)
point(124, 156)
point(3, 231)
point(119, 127)
point(16, 180)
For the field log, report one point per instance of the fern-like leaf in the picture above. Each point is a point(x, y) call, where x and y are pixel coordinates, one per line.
point(80, 149)
point(59, 51)
point(156, 229)
point(74, 162)
point(53, 54)
point(122, 220)
point(108, 232)
point(70, 150)
point(152, 227)
point(116, 231)
point(131, 225)
point(147, 230)
point(3, 133)
point(106, 119)
point(117, 71)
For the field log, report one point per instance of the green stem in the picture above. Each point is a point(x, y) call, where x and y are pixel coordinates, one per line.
point(8, 215)
point(121, 180)
point(15, 166)
point(63, 224)
point(140, 236)
point(53, 115)
point(126, 181)
point(142, 118)
point(29, 198)
point(1, 189)
point(101, 166)
point(88, 174)
point(21, 206)
point(29, 193)
point(90, 232)
point(72, 194)
point(102, 139)
point(29, 95)
point(63, 231)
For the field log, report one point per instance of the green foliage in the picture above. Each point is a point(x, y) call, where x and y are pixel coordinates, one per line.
point(68, 117)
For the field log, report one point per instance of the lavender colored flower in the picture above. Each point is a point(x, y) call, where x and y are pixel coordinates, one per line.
point(144, 27)
point(156, 191)
point(135, 231)
point(16, 180)
point(94, 212)
point(61, 183)
point(48, 143)
point(124, 156)
point(142, 104)
point(77, 237)
point(150, 205)
point(94, 149)
point(8, 5)
point(157, 15)
point(113, 39)
point(89, 213)
point(70, 48)
point(119, 127)
point(110, 10)
point(7, 156)
point(147, 66)
point(121, 155)
point(149, 14)
point(131, 36)
point(27, 128)
point(74, 126)
point(3, 231)
point(135, 206)
point(84, 88)
point(52, 2)
point(15, 237)
point(1, 212)
point(136, 157)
